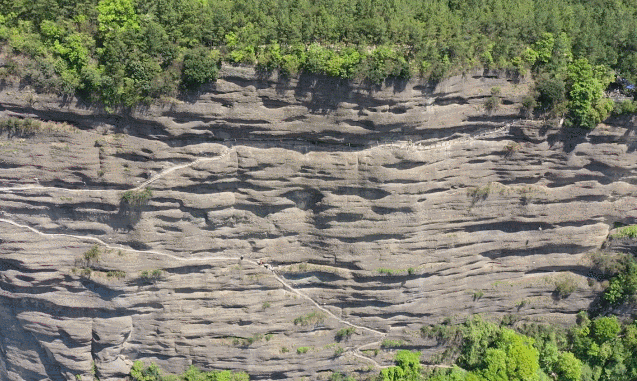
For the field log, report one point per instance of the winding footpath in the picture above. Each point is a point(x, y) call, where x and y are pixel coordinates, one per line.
point(355, 351)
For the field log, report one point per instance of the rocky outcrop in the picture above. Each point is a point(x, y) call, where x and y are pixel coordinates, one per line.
point(379, 210)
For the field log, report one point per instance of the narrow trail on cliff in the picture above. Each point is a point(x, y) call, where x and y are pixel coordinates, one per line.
point(406, 145)
point(355, 351)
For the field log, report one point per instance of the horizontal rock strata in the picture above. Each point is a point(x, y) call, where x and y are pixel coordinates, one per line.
point(378, 209)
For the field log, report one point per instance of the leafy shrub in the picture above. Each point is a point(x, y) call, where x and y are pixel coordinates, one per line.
point(252, 339)
point(386, 271)
point(384, 62)
point(116, 274)
point(492, 104)
point(152, 373)
point(565, 286)
point(345, 333)
point(137, 197)
point(626, 232)
point(528, 105)
point(550, 93)
point(311, 318)
point(151, 275)
point(511, 148)
point(479, 193)
point(269, 57)
point(387, 343)
point(605, 264)
point(625, 107)
point(338, 376)
point(93, 254)
point(407, 367)
point(21, 126)
point(302, 350)
point(623, 285)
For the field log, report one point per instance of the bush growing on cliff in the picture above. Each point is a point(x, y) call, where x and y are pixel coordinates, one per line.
point(92, 255)
point(199, 67)
point(626, 232)
point(313, 318)
point(623, 286)
point(345, 333)
point(565, 285)
point(137, 197)
point(139, 372)
point(586, 84)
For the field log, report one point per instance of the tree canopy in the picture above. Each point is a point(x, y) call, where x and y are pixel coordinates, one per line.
point(123, 52)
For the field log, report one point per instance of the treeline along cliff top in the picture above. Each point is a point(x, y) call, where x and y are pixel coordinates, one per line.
point(126, 52)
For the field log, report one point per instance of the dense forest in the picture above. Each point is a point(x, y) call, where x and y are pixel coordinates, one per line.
point(126, 52)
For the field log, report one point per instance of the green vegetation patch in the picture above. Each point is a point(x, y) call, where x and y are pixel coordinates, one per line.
point(93, 255)
point(125, 52)
point(137, 197)
point(565, 285)
point(302, 350)
point(312, 318)
point(345, 333)
point(116, 274)
point(387, 343)
point(140, 372)
point(623, 286)
point(626, 232)
point(29, 127)
point(151, 275)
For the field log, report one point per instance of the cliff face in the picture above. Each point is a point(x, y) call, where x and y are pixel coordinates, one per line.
point(379, 210)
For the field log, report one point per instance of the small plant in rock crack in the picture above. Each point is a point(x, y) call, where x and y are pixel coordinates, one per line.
point(116, 274)
point(479, 193)
point(151, 275)
point(626, 232)
point(565, 286)
point(387, 343)
point(345, 333)
point(511, 148)
point(493, 103)
point(311, 318)
point(93, 255)
point(478, 294)
point(137, 197)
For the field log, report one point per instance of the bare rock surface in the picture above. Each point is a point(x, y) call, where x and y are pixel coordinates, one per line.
point(284, 210)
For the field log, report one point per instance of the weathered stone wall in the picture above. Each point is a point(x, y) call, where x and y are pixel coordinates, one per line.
point(384, 209)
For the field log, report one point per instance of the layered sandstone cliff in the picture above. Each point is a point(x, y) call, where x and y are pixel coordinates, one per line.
point(378, 209)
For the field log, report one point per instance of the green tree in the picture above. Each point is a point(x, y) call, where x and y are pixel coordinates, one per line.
point(605, 328)
point(407, 367)
point(199, 67)
point(568, 367)
point(586, 90)
point(116, 14)
point(141, 373)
